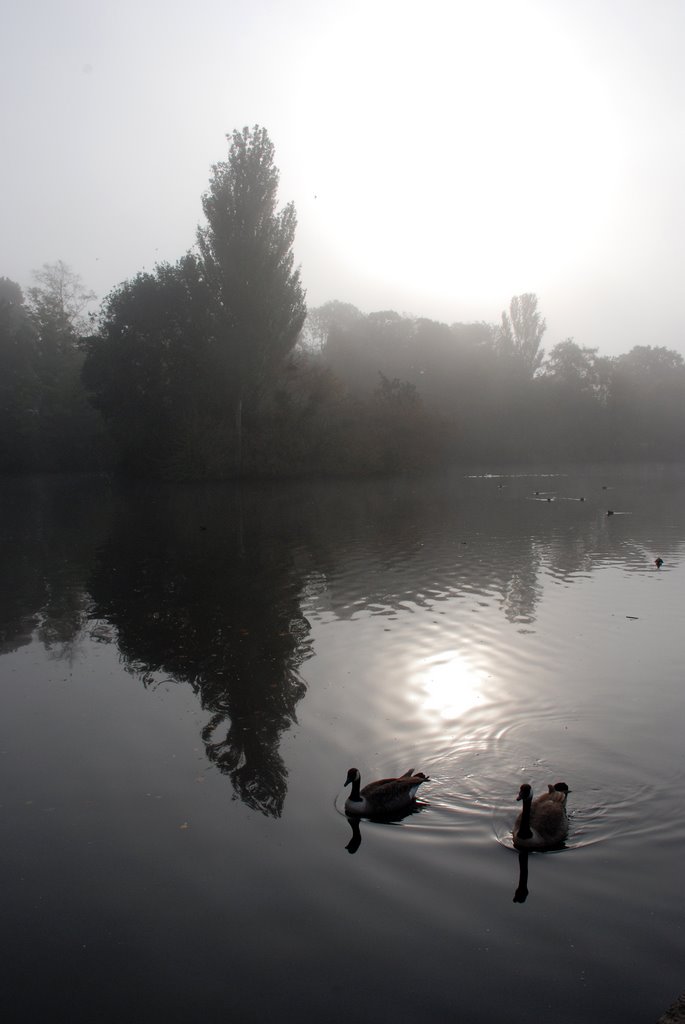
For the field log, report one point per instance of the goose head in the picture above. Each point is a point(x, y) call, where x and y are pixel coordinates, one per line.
point(525, 793)
point(352, 776)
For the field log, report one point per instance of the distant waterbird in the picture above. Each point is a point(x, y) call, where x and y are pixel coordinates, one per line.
point(658, 562)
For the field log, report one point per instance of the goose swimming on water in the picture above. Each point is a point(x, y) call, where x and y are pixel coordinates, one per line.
point(386, 796)
point(543, 822)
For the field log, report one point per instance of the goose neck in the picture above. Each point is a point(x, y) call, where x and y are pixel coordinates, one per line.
point(355, 793)
point(524, 831)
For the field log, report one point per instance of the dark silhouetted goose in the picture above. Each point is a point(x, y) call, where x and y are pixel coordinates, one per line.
point(658, 562)
point(542, 823)
point(386, 796)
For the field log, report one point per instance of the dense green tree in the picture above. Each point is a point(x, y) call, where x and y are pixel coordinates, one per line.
point(152, 371)
point(70, 432)
point(358, 348)
point(572, 367)
point(569, 399)
point(646, 402)
point(19, 385)
point(404, 438)
point(247, 253)
point(651, 366)
point(46, 422)
point(323, 321)
point(304, 421)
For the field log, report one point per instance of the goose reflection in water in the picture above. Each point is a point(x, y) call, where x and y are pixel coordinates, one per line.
point(521, 893)
point(377, 819)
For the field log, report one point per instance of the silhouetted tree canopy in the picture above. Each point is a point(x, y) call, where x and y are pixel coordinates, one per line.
point(46, 422)
point(154, 371)
point(247, 254)
point(646, 402)
point(19, 387)
point(324, 320)
point(212, 367)
point(58, 303)
point(184, 351)
point(520, 334)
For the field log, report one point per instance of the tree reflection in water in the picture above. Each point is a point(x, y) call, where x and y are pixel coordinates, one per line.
point(50, 529)
point(206, 585)
point(198, 588)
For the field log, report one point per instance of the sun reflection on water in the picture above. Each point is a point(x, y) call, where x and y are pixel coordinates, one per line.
point(449, 685)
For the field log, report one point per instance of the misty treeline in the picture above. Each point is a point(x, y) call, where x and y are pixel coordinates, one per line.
point(212, 367)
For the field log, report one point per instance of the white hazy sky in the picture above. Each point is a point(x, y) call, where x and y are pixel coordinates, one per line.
point(442, 156)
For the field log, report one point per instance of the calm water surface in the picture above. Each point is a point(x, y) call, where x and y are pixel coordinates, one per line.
point(186, 674)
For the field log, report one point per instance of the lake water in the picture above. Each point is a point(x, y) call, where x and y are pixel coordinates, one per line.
point(186, 674)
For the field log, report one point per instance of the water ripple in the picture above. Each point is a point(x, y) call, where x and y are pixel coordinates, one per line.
point(475, 778)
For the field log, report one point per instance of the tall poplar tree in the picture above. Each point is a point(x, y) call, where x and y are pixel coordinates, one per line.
point(520, 333)
point(247, 252)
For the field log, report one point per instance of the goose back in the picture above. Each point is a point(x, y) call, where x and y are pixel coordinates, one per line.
point(384, 796)
point(542, 823)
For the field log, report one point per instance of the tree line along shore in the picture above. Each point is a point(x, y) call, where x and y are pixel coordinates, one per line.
point(214, 368)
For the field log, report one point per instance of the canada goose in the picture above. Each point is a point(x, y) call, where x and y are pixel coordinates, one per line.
point(384, 796)
point(658, 562)
point(542, 824)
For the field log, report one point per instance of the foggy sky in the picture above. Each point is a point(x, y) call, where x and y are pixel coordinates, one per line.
point(442, 157)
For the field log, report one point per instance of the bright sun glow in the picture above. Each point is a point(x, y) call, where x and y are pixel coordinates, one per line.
point(442, 157)
point(443, 166)
point(449, 685)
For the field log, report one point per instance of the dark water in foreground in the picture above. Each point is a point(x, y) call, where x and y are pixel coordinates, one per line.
point(187, 674)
